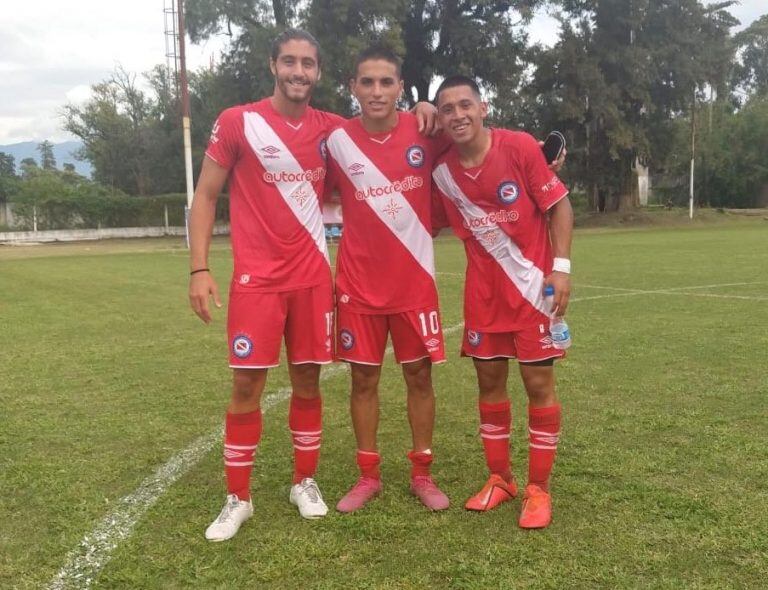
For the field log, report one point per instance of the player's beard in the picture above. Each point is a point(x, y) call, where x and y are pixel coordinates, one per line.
point(299, 92)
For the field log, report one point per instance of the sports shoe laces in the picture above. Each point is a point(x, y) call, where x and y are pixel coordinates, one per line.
point(363, 487)
point(227, 511)
point(425, 483)
point(310, 489)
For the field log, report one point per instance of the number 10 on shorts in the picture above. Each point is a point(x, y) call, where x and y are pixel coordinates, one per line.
point(429, 321)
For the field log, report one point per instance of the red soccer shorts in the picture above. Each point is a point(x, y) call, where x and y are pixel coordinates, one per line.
point(416, 334)
point(527, 346)
point(257, 322)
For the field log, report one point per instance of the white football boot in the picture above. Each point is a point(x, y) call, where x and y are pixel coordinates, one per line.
point(234, 513)
point(306, 496)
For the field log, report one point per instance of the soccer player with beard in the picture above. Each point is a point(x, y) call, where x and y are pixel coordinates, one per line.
point(273, 153)
point(496, 191)
point(385, 277)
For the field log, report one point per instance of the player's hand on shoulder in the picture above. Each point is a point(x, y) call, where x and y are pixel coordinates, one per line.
point(426, 115)
point(202, 286)
point(561, 282)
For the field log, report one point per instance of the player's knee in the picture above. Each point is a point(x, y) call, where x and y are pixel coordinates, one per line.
point(365, 381)
point(305, 380)
point(247, 386)
point(418, 380)
point(540, 391)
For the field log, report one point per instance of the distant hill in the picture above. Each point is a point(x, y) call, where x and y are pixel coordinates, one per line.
point(62, 151)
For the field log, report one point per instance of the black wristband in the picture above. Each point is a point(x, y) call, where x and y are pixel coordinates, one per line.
point(194, 272)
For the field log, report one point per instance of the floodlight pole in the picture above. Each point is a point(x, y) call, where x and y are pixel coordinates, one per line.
point(185, 118)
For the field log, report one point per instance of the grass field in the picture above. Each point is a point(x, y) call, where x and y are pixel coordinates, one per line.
point(105, 375)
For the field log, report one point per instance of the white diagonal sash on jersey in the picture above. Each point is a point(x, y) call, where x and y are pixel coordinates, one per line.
point(414, 236)
point(526, 276)
point(259, 135)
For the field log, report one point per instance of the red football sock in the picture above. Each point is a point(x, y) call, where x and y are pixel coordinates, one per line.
point(543, 435)
point(242, 434)
point(368, 462)
point(305, 422)
point(495, 423)
point(420, 462)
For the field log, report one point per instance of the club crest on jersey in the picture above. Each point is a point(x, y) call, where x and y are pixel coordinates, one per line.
point(508, 192)
point(347, 339)
point(414, 155)
point(474, 338)
point(241, 346)
point(323, 147)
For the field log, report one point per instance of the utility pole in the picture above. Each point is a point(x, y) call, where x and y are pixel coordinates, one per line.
point(693, 150)
point(185, 118)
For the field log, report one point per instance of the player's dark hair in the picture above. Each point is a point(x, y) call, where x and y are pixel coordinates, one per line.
point(453, 82)
point(375, 52)
point(294, 35)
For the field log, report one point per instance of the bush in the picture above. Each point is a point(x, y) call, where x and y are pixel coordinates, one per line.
point(67, 201)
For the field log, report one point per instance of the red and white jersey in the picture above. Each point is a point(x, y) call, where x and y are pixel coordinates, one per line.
point(276, 178)
point(499, 210)
point(386, 260)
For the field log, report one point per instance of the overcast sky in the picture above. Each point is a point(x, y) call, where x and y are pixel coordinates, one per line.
point(51, 52)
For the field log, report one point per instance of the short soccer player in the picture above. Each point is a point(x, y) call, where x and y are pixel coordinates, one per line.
point(385, 276)
point(496, 191)
point(273, 153)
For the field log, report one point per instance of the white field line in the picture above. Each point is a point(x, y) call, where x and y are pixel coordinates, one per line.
point(83, 563)
point(675, 291)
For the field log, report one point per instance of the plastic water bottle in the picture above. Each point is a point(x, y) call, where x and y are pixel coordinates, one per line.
point(558, 329)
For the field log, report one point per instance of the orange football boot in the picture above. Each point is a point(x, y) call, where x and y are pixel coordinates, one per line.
point(495, 491)
point(537, 508)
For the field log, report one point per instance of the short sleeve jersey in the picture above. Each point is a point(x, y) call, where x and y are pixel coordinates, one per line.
point(499, 210)
point(276, 177)
point(386, 260)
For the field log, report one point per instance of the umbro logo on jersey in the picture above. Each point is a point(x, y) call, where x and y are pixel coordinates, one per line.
point(473, 337)
point(432, 343)
point(414, 155)
point(271, 152)
point(508, 192)
point(347, 339)
point(242, 346)
point(546, 342)
point(356, 169)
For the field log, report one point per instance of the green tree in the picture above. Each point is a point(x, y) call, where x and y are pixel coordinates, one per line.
point(47, 159)
point(622, 72)
point(434, 38)
point(7, 165)
point(751, 71)
point(132, 139)
point(28, 166)
point(8, 180)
